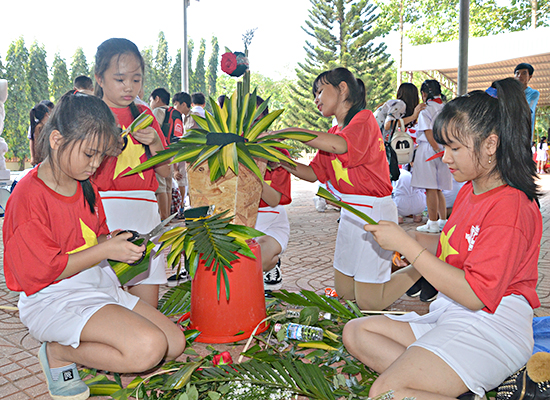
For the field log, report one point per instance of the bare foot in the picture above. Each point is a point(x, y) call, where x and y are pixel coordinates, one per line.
point(417, 218)
point(399, 219)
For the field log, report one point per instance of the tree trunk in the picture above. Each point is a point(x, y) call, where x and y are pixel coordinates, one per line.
point(533, 14)
point(400, 67)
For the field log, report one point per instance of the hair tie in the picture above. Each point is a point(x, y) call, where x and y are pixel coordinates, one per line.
point(492, 92)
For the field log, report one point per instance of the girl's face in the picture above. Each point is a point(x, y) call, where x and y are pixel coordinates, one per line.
point(83, 160)
point(328, 99)
point(464, 164)
point(121, 82)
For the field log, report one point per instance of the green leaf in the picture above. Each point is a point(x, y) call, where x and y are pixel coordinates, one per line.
point(126, 272)
point(322, 192)
point(263, 124)
point(301, 136)
point(160, 157)
point(202, 122)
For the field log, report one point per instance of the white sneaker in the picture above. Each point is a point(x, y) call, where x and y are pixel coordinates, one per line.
point(430, 227)
point(441, 223)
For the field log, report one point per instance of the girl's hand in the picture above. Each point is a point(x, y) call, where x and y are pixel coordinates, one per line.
point(418, 108)
point(389, 235)
point(120, 249)
point(177, 175)
point(147, 136)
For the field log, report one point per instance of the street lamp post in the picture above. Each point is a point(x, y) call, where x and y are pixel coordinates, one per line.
point(184, 56)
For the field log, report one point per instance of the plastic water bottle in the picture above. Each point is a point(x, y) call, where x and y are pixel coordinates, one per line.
point(300, 332)
point(295, 313)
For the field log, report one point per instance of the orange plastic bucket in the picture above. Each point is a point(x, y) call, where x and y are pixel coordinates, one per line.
point(225, 321)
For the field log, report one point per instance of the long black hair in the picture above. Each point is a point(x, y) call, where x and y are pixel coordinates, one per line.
point(542, 141)
point(36, 115)
point(78, 118)
point(478, 115)
point(356, 89)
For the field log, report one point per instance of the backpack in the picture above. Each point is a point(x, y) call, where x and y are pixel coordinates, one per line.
point(390, 110)
point(172, 131)
point(403, 145)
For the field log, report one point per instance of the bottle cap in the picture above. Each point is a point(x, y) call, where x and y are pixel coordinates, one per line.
point(277, 327)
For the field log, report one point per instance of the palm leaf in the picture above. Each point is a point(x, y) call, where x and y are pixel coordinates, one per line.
point(263, 124)
point(126, 272)
point(301, 136)
point(246, 159)
point(202, 122)
point(176, 301)
point(325, 194)
point(160, 157)
point(219, 115)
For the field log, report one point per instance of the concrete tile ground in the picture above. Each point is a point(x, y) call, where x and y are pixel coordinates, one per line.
point(307, 264)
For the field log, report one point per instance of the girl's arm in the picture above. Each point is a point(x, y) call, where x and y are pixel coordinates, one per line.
point(150, 137)
point(444, 277)
point(302, 171)
point(117, 248)
point(31, 147)
point(271, 196)
point(430, 136)
point(324, 141)
point(410, 118)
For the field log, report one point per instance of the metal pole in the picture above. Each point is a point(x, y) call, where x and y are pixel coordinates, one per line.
point(463, 28)
point(184, 56)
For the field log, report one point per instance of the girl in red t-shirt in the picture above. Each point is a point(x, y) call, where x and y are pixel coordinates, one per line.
point(55, 245)
point(352, 164)
point(479, 329)
point(130, 201)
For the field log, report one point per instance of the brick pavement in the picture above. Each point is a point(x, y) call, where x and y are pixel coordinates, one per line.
point(307, 264)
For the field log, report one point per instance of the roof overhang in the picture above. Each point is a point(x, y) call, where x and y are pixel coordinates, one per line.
point(489, 58)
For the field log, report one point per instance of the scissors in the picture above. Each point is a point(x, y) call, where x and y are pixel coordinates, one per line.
point(396, 258)
point(147, 236)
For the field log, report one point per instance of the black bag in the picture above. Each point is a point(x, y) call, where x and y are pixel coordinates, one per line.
point(392, 156)
point(520, 386)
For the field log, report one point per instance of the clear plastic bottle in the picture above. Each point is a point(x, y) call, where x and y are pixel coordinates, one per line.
point(300, 332)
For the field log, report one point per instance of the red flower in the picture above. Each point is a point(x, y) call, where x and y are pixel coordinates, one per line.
point(229, 63)
point(223, 358)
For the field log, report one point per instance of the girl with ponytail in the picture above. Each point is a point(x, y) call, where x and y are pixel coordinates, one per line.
point(351, 163)
point(479, 329)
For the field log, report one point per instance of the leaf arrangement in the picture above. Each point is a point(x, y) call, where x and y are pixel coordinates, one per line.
point(229, 137)
point(212, 239)
point(325, 194)
point(277, 370)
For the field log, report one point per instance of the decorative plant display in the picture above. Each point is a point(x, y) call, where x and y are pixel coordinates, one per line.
point(212, 239)
point(229, 137)
point(234, 63)
point(273, 370)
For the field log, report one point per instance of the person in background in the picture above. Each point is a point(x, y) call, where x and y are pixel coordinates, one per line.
point(542, 155)
point(408, 92)
point(198, 103)
point(38, 117)
point(409, 200)
point(523, 73)
point(170, 121)
point(84, 84)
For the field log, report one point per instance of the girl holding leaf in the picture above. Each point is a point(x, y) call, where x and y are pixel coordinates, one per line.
point(479, 329)
point(352, 164)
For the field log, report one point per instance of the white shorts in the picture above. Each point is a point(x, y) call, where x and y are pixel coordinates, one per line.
point(410, 205)
point(59, 312)
point(482, 348)
point(356, 253)
point(430, 174)
point(137, 210)
point(273, 221)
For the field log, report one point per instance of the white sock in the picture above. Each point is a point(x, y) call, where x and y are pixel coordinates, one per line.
point(430, 222)
point(442, 221)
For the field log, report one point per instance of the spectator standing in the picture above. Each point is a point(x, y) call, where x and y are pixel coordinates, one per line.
point(38, 117)
point(84, 84)
point(542, 154)
point(198, 103)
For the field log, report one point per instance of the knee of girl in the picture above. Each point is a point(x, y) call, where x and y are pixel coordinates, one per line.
point(151, 351)
point(381, 386)
point(176, 346)
point(348, 335)
point(366, 303)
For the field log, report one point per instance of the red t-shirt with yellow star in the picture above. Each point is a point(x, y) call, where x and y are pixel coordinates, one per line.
point(279, 179)
point(109, 176)
point(363, 169)
point(41, 229)
point(495, 238)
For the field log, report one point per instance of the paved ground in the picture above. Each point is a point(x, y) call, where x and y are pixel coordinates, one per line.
point(307, 264)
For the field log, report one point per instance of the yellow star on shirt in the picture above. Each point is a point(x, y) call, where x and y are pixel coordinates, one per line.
point(446, 248)
point(268, 182)
point(129, 158)
point(382, 145)
point(340, 172)
point(89, 236)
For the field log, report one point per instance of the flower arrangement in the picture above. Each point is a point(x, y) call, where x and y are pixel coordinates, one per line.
point(234, 63)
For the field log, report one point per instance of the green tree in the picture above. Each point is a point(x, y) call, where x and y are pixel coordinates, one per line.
point(175, 75)
point(342, 33)
point(162, 63)
point(150, 76)
point(79, 65)
point(18, 105)
point(190, 71)
point(37, 71)
point(212, 74)
point(60, 83)
point(198, 84)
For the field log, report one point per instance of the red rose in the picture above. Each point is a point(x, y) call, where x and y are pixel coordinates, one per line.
point(223, 358)
point(229, 63)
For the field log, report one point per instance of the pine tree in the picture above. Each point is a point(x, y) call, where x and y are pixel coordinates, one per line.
point(79, 65)
point(212, 74)
point(18, 105)
point(37, 71)
point(61, 83)
point(149, 78)
point(342, 34)
point(162, 63)
point(175, 75)
point(199, 77)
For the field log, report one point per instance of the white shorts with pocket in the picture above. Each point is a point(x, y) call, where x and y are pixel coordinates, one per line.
point(137, 210)
point(273, 221)
point(482, 348)
point(59, 312)
point(432, 174)
point(357, 254)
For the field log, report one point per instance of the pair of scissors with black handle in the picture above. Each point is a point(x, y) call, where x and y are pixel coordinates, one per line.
point(147, 236)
